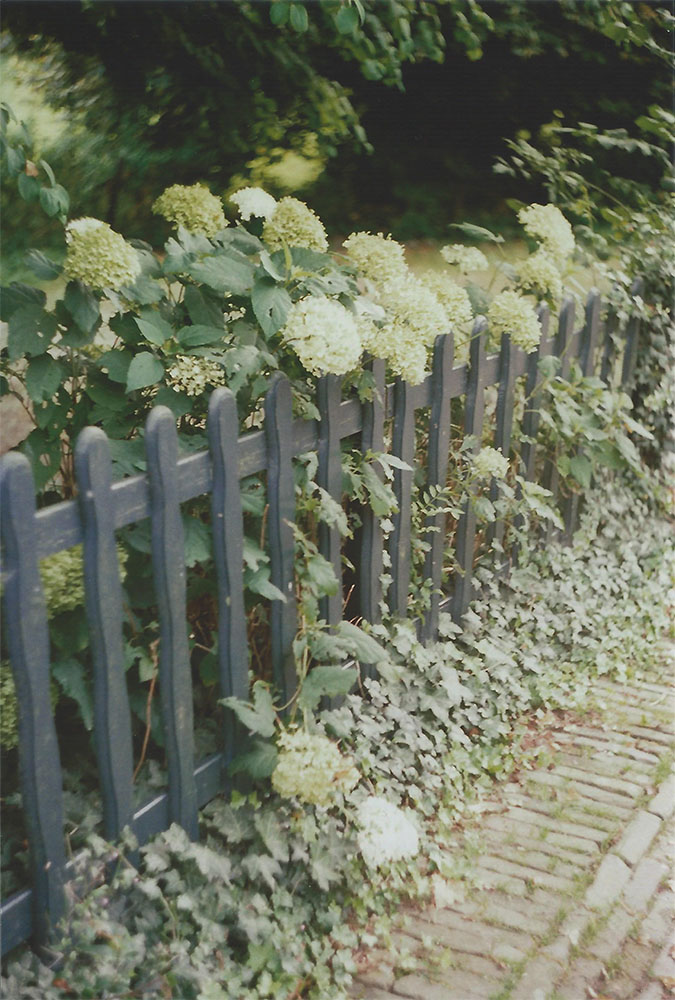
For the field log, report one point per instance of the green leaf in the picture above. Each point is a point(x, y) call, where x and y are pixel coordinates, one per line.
point(581, 469)
point(18, 294)
point(31, 330)
point(380, 497)
point(43, 377)
point(326, 682)
point(279, 12)
point(347, 20)
point(145, 369)
point(49, 172)
point(197, 540)
point(225, 273)
point(321, 575)
point(178, 402)
point(16, 161)
point(361, 645)
point(477, 232)
point(29, 187)
point(82, 305)
point(198, 335)
point(298, 17)
point(54, 200)
point(116, 363)
point(202, 310)
point(258, 762)
point(155, 329)
point(70, 677)
point(271, 303)
point(273, 266)
point(42, 266)
point(258, 717)
point(273, 835)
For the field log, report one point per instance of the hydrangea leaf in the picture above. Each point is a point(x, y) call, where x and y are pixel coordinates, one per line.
point(145, 369)
point(325, 682)
point(258, 717)
point(271, 304)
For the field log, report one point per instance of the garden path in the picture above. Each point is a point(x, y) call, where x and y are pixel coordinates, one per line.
point(572, 891)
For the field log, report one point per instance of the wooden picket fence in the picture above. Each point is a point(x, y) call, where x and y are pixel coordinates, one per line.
point(103, 506)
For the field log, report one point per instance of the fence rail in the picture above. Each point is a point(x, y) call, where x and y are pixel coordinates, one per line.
point(103, 506)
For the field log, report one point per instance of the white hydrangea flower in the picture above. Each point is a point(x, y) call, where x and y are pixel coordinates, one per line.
point(547, 224)
point(192, 375)
point(510, 313)
point(194, 207)
point(379, 259)
point(467, 259)
point(540, 274)
point(311, 768)
point(293, 224)
point(99, 256)
point(324, 335)
point(253, 201)
point(386, 834)
point(453, 298)
point(489, 462)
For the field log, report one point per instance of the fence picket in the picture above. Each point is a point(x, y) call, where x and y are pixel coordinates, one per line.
point(534, 378)
point(403, 447)
point(587, 350)
point(561, 349)
point(329, 478)
point(370, 563)
point(632, 337)
point(439, 448)
point(168, 560)
point(281, 515)
point(28, 642)
point(228, 552)
point(503, 422)
point(103, 601)
point(473, 425)
point(609, 349)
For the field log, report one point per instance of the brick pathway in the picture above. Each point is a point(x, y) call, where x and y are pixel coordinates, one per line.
point(572, 894)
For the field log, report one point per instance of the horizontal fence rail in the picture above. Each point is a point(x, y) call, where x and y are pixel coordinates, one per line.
point(103, 506)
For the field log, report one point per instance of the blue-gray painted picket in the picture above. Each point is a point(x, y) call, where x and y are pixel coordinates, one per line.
point(403, 448)
point(168, 561)
point(474, 409)
point(103, 602)
point(437, 474)
point(28, 643)
point(227, 527)
point(329, 478)
point(281, 516)
point(104, 506)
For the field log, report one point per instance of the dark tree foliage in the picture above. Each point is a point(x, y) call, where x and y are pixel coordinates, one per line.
point(180, 92)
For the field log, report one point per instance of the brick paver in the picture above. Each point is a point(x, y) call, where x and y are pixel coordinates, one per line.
point(572, 894)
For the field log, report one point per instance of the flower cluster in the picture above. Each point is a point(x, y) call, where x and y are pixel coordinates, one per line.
point(193, 207)
point(489, 462)
point(192, 375)
point(63, 579)
point(453, 298)
point(510, 313)
point(99, 256)
point(540, 274)
point(547, 224)
point(414, 317)
point(253, 201)
point(379, 259)
point(324, 335)
point(293, 224)
point(386, 834)
point(467, 259)
point(311, 768)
